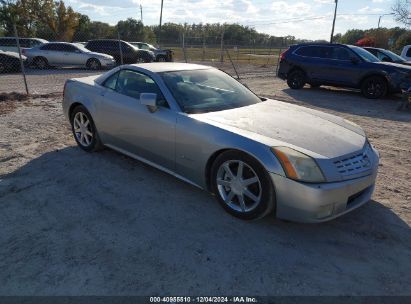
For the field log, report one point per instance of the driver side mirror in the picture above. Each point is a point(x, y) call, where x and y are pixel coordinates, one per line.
point(149, 100)
point(386, 59)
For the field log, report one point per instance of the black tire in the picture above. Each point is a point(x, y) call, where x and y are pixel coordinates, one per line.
point(296, 79)
point(374, 87)
point(93, 64)
point(95, 143)
point(41, 63)
point(267, 200)
point(141, 59)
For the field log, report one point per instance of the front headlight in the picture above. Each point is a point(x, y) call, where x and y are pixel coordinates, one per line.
point(298, 166)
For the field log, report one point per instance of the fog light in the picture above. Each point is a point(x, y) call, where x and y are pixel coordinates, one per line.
point(325, 211)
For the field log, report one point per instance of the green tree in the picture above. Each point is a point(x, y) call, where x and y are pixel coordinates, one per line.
point(403, 40)
point(131, 30)
point(352, 36)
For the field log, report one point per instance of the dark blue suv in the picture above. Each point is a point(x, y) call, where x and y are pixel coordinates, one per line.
point(343, 66)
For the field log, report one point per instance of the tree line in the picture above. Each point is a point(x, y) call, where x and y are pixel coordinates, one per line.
point(54, 20)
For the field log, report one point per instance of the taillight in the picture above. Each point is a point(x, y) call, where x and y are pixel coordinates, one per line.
point(282, 55)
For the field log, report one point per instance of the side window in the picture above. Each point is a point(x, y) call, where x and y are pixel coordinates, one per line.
point(68, 48)
point(24, 43)
point(132, 84)
point(314, 51)
point(340, 53)
point(125, 47)
point(381, 56)
point(8, 42)
point(111, 82)
point(59, 47)
point(34, 43)
point(408, 53)
point(304, 51)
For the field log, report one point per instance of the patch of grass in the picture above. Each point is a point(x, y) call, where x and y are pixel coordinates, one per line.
point(239, 55)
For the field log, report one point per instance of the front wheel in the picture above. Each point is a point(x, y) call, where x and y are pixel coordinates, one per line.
point(242, 185)
point(161, 59)
point(93, 64)
point(41, 63)
point(84, 130)
point(296, 79)
point(374, 87)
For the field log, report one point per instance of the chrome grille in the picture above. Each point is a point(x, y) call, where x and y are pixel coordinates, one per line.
point(353, 165)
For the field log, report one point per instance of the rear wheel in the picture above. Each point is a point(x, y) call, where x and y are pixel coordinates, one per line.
point(41, 63)
point(93, 64)
point(140, 60)
point(84, 130)
point(296, 79)
point(374, 87)
point(242, 185)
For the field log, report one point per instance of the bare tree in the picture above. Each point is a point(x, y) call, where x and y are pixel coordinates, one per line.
point(402, 11)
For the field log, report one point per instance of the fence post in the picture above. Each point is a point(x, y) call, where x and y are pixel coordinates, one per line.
point(23, 71)
point(222, 45)
point(184, 47)
point(120, 47)
point(232, 63)
point(204, 46)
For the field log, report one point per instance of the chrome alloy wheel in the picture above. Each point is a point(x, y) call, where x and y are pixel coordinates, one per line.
point(241, 190)
point(82, 129)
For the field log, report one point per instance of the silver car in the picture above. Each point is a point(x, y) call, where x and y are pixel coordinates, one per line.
point(256, 155)
point(67, 54)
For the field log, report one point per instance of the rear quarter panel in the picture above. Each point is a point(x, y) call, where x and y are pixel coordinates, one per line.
point(83, 91)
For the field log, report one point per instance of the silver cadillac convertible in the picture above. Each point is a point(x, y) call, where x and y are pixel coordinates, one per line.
point(257, 156)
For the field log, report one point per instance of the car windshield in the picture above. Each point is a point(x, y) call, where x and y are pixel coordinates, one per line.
point(208, 90)
point(393, 56)
point(365, 55)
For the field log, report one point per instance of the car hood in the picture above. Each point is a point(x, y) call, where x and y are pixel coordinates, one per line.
point(277, 123)
point(402, 66)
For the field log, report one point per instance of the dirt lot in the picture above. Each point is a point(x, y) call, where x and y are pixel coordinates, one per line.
point(103, 224)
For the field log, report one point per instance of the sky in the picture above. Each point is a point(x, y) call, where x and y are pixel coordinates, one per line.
point(308, 19)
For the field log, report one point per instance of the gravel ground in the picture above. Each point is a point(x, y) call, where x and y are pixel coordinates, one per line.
point(74, 223)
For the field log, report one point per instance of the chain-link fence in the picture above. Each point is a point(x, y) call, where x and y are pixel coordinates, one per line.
point(41, 66)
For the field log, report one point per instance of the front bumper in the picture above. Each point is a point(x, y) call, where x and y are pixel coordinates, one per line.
point(108, 62)
point(314, 203)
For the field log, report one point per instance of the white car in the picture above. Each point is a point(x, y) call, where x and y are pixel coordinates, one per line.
point(67, 54)
point(258, 156)
point(406, 52)
point(9, 44)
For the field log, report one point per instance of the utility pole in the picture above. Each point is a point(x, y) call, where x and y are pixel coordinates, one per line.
point(141, 13)
point(379, 19)
point(335, 15)
point(161, 19)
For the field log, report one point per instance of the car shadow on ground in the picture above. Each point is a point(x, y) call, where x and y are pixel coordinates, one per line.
point(78, 223)
point(351, 102)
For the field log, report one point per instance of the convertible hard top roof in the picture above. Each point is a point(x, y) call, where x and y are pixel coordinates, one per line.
point(158, 67)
